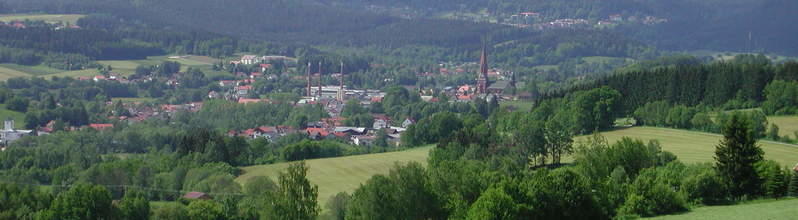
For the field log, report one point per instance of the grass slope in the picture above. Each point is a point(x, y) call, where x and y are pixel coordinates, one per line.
point(341, 174)
point(19, 118)
point(696, 147)
point(124, 67)
point(788, 125)
point(334, 175)
point(778, 209)
point(8, 73)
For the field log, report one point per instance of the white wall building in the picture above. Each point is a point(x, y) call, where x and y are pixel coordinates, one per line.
point(9, 134)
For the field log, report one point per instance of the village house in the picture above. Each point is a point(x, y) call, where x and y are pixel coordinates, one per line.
point(197, 195)
point(408, 122)
point(243, 90)
point(101, 127)
point(10, 134)
point(381, 121)
point(250, 59)
point(363, 140)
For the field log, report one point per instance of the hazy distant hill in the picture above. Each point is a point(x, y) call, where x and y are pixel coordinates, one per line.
point(692, 24)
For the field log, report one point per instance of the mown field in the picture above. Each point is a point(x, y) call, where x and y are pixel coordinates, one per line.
point(788, 125)
point(124, 67)
point(519, 105)
point(49, 18)
point(334, 175)
point(768, 209)
point(341, 174)
point(696, 147)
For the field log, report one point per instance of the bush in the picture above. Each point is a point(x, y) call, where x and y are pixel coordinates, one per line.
point(650, 197)
point(18, 104)
point(705, 188)
point(311, 150)
point(170, 211)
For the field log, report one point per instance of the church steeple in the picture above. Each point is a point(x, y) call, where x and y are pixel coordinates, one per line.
point(482, 76)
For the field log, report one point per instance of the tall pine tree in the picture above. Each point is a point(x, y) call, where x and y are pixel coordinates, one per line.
point(736, 156)
point(792, 189)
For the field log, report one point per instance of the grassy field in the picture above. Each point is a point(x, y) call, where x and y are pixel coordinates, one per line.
point(32, 70)
point(788, 125)
point(520, 105)
point(769, 209)
point(49, 18)
point(19, 118)
point(696, 147)
point(124, 67)
point(8, 73)
point(334, 175)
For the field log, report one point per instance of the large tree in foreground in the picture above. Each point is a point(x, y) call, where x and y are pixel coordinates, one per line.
point(296, 199)
point(736, 156)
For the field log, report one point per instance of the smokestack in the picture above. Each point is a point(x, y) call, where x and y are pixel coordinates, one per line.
point(341, 81)
point(308, 70)
point(319, 92)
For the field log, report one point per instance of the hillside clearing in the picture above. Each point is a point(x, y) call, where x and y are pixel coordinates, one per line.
point(49, 18)
point(345, 174)
point(771, 209)
point(19, 118)
point(697, 147)
point(788, 125)
point(8, 73)
point(342, 174)
point(123, 67)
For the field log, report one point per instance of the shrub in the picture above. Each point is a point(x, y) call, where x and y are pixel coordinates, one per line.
point(650, 197)
point(706, 188)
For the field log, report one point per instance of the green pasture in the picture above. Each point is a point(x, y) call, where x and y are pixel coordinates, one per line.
point(767, 209)
point(341, 174)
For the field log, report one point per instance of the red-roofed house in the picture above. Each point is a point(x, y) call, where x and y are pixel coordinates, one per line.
point(101, 127)
point(335, 121)
point(317, 133)
point(408, 122)
point(264, 67)
point(248, 101)
point(376, 99)
point(197, 195)
point(243, 90)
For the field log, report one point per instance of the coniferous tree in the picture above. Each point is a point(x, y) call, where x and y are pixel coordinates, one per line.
point(736, 156)
point(792, 189)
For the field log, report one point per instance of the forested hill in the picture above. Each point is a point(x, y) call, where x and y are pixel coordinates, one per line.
point(691, 24)
point(277, 20)
point(739, 83)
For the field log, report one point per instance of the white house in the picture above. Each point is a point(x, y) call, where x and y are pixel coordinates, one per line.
point(408, 122)
point(9, 134)
point(250, 59)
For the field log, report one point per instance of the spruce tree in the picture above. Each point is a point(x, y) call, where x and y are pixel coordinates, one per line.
point(792, 189)
point(736, 156)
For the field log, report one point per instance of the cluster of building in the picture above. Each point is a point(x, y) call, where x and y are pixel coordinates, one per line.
point(10, 133)
point(534, 20)
point(332, 128)
point(254, 60)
